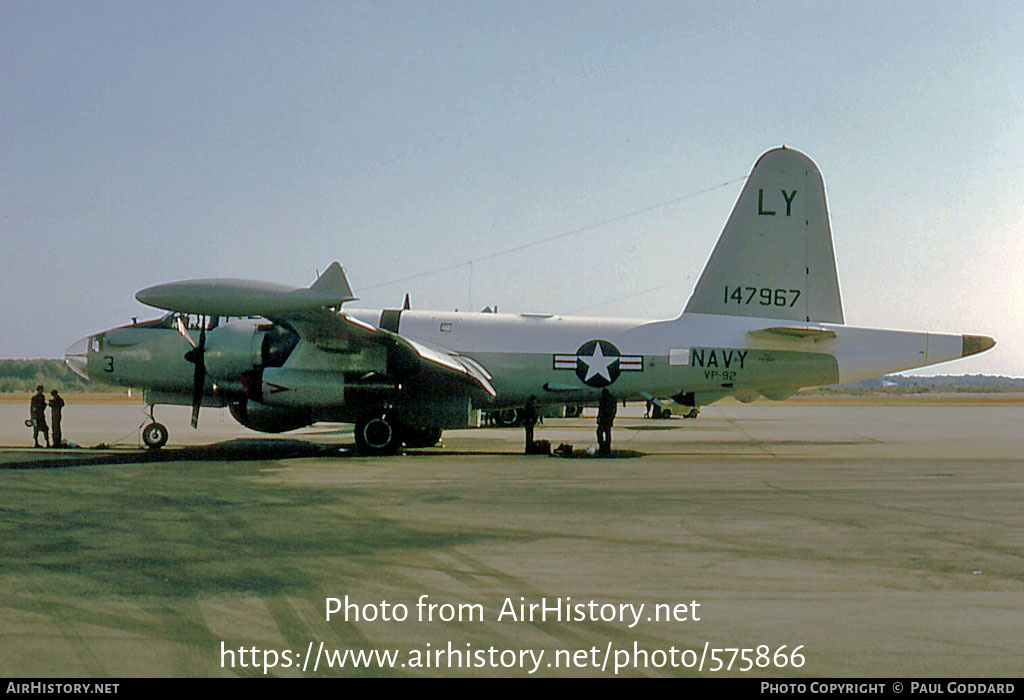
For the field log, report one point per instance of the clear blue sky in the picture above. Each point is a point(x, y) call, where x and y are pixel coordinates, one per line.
point(143, 142)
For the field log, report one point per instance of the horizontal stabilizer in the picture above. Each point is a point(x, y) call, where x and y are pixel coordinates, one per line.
point(973, 344)
point(784, 333)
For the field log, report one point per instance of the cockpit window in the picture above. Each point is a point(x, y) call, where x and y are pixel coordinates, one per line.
point(194, 322)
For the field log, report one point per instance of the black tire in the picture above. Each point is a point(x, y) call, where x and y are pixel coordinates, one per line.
point(378, 435)
point(155, 436)
point(573, 411)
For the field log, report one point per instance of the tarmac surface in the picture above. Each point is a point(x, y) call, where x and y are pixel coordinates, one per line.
point(882, 541)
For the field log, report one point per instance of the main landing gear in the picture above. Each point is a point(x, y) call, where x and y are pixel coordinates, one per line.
point(154, 434)
point(378, 434)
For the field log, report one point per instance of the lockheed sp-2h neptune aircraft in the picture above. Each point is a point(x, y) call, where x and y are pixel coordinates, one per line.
point(765, 319)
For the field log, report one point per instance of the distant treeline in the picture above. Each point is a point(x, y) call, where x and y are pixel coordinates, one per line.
point(909, 384)
point(23, 376)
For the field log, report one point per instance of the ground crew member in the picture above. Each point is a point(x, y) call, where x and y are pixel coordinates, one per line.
point(529, 421)
point(605, 417)
point(37, 411)
point(56, 406)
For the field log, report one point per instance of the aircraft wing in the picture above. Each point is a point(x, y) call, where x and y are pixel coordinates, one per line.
point(336, 332)
point(311, 312)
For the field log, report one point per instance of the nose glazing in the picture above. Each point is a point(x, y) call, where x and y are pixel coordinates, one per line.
point(76, 358)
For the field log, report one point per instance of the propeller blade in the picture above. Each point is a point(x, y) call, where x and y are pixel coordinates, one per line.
point(180, 325)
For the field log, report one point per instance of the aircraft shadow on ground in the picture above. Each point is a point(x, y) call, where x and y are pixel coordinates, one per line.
point(616, 454)
point(240, 450)
point(243, 450)
point(577, 454)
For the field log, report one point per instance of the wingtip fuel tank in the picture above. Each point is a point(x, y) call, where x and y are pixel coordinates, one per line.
point(240, 297)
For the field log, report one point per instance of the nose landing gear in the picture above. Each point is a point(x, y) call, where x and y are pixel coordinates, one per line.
point(154, 434)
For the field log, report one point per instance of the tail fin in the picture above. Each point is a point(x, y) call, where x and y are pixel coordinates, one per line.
point(774, 258)
point(333, 281)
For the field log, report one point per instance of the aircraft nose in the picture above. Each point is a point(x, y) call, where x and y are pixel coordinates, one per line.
point(76, 357)
point(973, 344)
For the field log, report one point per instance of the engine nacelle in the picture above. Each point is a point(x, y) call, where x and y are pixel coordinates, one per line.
point(241, 346)
point(270, 419)
point(301, 387)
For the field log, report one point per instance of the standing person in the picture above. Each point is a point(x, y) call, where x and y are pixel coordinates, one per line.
point(606, 410)
point(56, 406)
point(529, 421)
point(37, 411)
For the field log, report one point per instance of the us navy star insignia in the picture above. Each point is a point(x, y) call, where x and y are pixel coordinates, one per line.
point(598, 363)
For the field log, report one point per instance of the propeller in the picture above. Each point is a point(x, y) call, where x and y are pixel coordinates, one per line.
point(197, 356)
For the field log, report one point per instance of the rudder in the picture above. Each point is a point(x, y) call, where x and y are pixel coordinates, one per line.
point(774, 258)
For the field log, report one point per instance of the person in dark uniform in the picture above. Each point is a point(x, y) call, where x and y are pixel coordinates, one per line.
point(606, 410)
point(529, 421)
point(37, 411)
point(56, 406)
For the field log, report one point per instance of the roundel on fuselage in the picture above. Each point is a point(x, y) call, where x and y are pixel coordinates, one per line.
point(597, 363)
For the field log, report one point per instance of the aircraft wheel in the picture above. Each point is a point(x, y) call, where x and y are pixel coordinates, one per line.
point(378, 435)
point(154, 435)
point(692, 414)
point(421, 436)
